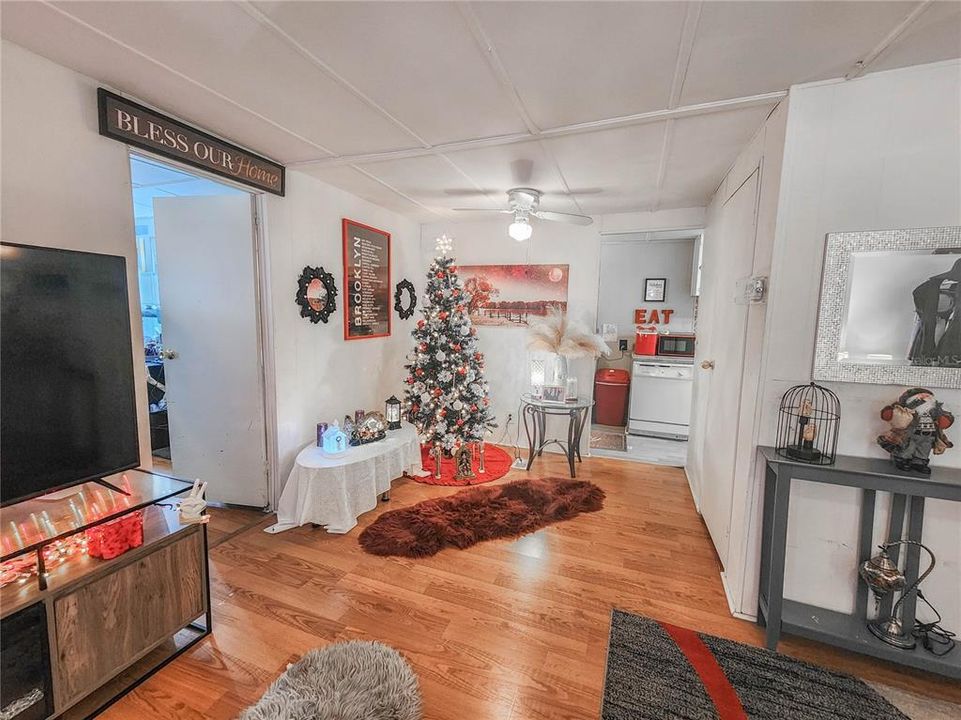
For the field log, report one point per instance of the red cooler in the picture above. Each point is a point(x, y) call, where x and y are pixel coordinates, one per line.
point(610, 391)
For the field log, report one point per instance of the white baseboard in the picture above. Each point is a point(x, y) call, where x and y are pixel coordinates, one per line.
point(730, 601)
point(690, 485)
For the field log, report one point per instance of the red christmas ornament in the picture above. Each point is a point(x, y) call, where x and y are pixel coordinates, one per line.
point(443, 412)
point(420, 323)
point(478, 356)
point(473, 408)
point(462, 370)
point(410, 380)
point(437, 392)
point(422, 347)
point(455, 347)
point(414, 408)
point(440, 274)
point(442, 314)
point(419, 371)
point(455, 292)
point(460, 421)
point(453, 269)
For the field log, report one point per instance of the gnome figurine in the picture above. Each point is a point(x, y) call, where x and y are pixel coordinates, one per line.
point(918, 422)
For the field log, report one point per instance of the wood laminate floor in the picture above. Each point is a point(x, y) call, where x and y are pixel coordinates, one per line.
point(506, 630)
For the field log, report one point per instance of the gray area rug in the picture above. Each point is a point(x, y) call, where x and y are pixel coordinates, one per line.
point(656, 671)
point(606, 439)
point(356, 680)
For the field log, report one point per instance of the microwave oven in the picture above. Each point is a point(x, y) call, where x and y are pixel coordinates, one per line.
point(675, 345)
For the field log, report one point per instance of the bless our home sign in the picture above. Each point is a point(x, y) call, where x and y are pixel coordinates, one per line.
point(134, 124)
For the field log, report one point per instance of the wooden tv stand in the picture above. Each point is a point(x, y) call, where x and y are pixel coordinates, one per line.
point(109, 623)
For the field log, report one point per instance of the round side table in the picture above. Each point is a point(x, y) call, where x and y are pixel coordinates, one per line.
point(535, 414)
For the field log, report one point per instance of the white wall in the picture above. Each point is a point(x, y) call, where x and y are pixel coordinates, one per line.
point(625, 263)
point(642, 221)
point(487, 243)
point(64, 185)
point(879, 152)
point(319, 375)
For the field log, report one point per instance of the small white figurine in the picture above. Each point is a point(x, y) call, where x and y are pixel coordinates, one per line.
point(192, 507)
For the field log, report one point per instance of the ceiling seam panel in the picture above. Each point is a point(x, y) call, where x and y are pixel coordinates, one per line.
point(560, 174)
point(188, 79)
point(684, 51)
point(395, 190)
point(862, 65)
point(468, 178)
point(257, 15)
point(770, 98)
point(486, 47)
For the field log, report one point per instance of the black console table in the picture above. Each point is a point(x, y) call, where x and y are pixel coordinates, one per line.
point(909, 491)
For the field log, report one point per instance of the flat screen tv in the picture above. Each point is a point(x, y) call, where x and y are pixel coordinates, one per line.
point(67, 401)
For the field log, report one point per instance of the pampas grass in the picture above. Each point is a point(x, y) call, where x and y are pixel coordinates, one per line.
point(557, 334)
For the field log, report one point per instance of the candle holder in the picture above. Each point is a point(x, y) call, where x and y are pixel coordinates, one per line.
point(808, 421)
point(438, 456)
point(480, 461)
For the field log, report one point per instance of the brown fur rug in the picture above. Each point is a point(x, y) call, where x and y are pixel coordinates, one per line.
point(479, 514)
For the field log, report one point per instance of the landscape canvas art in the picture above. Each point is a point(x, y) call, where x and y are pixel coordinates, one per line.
point(510, 295)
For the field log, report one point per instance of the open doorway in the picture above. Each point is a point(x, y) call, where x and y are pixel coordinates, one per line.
point(647, 308)
point(198, 277)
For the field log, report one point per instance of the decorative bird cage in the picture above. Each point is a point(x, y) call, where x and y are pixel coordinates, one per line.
point(807, 429)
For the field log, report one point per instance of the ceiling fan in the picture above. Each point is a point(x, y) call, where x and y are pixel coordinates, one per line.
point(522, 203)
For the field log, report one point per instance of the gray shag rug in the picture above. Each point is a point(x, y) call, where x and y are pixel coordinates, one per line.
point(356, 680)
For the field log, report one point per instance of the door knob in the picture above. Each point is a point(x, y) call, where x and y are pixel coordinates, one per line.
point(169, 354)
point(707, 364)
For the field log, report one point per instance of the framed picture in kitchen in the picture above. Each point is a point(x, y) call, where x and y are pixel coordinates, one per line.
point(655, 289)
point(367, 300)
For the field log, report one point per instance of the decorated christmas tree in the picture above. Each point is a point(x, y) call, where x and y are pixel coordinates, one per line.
point(446, 392)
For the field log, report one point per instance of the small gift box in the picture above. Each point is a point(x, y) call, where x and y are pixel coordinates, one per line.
point(116, 537)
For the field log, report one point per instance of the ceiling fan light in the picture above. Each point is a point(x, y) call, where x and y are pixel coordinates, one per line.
point(520, 229)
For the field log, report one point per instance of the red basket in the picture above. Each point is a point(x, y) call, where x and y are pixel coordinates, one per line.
point(116, 537)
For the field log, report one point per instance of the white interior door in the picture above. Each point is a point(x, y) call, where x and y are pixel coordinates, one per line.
point(731, 259)
point(208, 305)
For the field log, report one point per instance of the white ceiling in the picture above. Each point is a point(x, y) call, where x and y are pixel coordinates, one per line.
point(423, 107)
point(152, 180)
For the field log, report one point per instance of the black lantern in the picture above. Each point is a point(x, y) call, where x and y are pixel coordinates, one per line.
point(392, 413)
point(807, 427)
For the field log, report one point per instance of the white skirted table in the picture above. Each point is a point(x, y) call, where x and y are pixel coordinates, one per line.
point(335, 491)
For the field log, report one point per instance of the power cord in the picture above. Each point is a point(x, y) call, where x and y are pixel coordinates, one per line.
point(931, 635)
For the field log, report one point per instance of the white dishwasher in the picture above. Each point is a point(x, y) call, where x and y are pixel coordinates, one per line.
point(661, 398)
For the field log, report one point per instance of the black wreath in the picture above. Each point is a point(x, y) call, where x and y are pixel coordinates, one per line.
point(330, 304)
point(399, 299)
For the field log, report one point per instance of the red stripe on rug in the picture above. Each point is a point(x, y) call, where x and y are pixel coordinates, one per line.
point(715, 682)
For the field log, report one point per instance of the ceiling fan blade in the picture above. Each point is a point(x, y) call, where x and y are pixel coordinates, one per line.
point(489, 210)
point(569, 218)
point(467, 192)
point(522, 169)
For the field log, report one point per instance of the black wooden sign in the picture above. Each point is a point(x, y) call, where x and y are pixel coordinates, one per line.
point(134, 124)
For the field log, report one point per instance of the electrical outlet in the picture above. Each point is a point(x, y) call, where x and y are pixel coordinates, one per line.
point(622, 344)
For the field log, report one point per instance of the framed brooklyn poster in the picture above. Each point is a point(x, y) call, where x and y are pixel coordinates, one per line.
point(366, 281)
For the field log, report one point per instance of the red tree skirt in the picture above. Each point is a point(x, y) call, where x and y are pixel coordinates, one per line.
point(496, 464)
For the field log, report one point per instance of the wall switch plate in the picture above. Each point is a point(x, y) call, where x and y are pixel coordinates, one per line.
point(622, 344)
